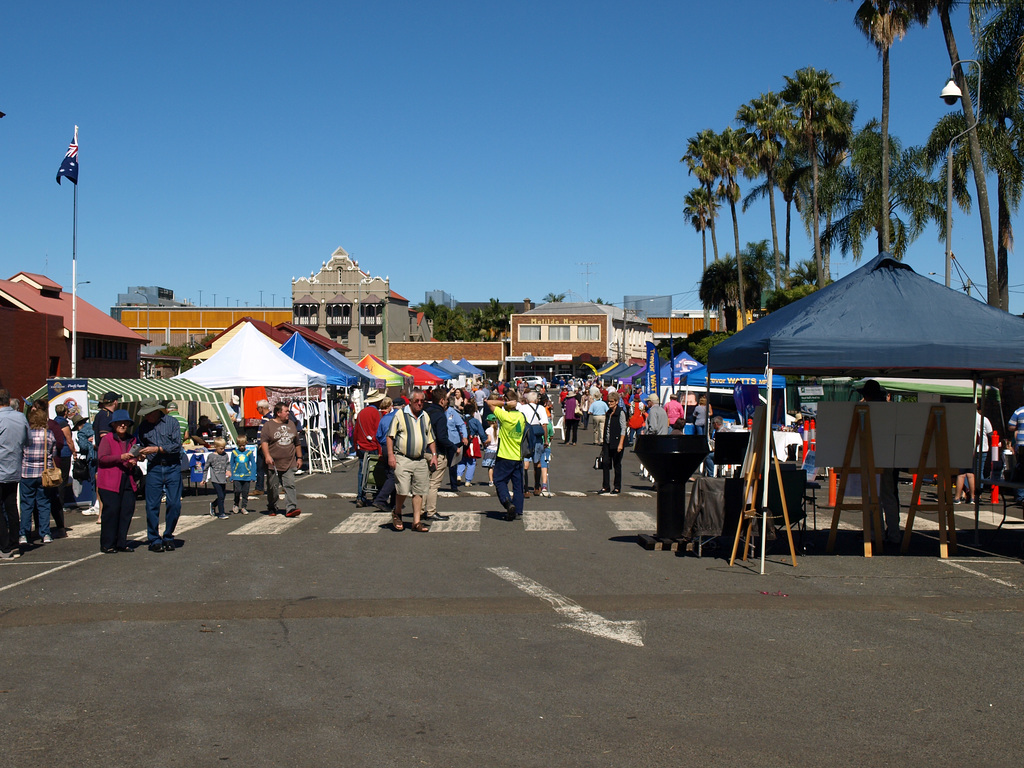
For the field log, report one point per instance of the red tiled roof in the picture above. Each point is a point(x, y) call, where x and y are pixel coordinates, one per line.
point(22, 292)
point(263, 327)
point(311, 336)
point(398, 296)
point(340, 298)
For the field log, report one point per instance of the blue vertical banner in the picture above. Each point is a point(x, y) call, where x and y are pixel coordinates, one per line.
point(653, 369)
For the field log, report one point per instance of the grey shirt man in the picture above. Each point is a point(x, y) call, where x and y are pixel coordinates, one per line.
point(13, 438)
point(657, 420)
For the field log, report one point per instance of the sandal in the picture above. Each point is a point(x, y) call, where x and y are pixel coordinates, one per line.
point(421, 527)
point(396, 522)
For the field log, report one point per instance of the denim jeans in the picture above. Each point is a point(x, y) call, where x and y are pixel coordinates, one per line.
point(163, 479)
point(34, 499)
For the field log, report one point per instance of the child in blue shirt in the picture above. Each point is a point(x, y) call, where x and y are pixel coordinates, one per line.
point(243, 472)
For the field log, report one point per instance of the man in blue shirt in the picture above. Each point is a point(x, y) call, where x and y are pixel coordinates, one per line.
point(1016, 424)
point(387, 486)
point(160, 438)
point(458, 435)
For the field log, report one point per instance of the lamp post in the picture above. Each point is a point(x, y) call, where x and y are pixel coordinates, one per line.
point(951, 94)
point(74, 326)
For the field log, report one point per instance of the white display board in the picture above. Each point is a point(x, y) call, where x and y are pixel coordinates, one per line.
point(897, 431)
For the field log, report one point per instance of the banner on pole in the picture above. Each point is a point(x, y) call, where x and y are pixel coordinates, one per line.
point(653, 369)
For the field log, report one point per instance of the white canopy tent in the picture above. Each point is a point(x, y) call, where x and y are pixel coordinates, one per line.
point(250, 359)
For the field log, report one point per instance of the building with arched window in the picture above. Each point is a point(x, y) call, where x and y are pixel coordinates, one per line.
point(347, 304)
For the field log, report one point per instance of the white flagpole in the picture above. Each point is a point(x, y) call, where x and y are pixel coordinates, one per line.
point(767, 459)
point(74, 281)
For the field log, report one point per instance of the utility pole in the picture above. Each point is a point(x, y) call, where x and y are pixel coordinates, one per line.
point(587, 265)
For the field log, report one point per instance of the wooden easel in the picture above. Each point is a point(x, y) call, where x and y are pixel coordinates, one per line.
point(752, 495)
point(935, 434)
point(860, 435)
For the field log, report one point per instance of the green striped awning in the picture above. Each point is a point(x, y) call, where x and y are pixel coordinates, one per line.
point(134, 390)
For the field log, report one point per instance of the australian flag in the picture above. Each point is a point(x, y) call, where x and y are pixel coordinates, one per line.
point(69, 168)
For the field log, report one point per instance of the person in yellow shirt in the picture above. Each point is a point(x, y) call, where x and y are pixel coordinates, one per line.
point(508, 464)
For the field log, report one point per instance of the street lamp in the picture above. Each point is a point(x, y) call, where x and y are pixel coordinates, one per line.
point(950, 94)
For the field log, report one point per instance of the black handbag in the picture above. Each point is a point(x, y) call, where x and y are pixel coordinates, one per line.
point(80, 469)
point(599, 462)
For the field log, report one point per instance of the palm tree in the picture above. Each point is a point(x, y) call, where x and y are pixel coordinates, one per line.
point(884, 22)
point(914, 198)
point(700, 208)
point(790, 172)
point(555, 298)
point(699, 165)
point(804, 273)
point(812, 94)
point(731, 155)
point(833, 153)
point(769, 123)
point(1001, 48)
point(718, 290)
point(498, 315)
point(943, 8)
point(720, 282)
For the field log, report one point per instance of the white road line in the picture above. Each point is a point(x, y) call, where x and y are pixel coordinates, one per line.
point(447, 495)
point(461, 522)
point(52, 570)
point(534, 520)
point(345, 495)
point(574, 494)
point(580, 619)
point(476, 494)
point(973, 572)
point(633, 520)
point(638, 494)
point(362, 522)
point(313, 495)
point(268, 526)
point(81, 530)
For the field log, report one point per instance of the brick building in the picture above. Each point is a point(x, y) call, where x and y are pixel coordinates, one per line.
point(36, 331)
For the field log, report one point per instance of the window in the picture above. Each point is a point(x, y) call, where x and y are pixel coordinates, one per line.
point(371, 339)
point(558, 332)
point(588, 332)
point(106, 350)
point(529, 333)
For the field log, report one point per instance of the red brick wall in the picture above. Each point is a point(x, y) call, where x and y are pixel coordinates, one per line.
point(427, 351)
point(27, 342)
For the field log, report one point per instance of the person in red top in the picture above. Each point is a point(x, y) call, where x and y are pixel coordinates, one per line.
point(365, 434)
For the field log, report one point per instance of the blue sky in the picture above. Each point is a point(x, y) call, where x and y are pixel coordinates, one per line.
point(483, 148)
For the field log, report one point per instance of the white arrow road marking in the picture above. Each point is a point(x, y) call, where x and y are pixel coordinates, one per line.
point(629, 632)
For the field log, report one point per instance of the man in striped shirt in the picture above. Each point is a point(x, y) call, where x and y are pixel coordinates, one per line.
point(412, 454)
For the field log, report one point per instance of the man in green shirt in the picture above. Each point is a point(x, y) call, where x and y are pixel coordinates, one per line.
point(508, 464)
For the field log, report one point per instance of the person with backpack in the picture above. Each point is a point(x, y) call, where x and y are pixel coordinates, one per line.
point(508, 464)
point(637, 419)
point(536, 440)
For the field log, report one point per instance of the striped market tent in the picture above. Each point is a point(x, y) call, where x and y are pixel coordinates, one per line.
point(134, 390)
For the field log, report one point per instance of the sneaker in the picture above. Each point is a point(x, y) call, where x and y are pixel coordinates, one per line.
point(490, 485)
point(7, 555)
point(213, 509)
point(243, 511)
point(93, 510)
point(221, 516)
point(23, 541)
point(293, 512)
point(547, 493)
point(234, 510)
point(47, 539)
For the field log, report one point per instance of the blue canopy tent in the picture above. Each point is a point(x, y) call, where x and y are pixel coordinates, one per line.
point(450, 367)
point(609, 373)
point(883, 319)
point(348, 366)
point(306, 354)
point(698, 379)
point(439, 372)
point(626, 374)
point(468, 367)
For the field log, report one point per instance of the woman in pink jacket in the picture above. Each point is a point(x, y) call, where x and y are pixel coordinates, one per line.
point(116, 483)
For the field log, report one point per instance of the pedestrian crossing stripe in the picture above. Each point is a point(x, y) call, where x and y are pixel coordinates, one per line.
point(546, 520)
point(633, 520)
point(477, 494)
point(575, 494)
point(185, 523)
point(362, 522)
point(460, 522)
point(265, 525)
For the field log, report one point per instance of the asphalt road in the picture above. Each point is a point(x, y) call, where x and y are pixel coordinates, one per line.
point(495, 645)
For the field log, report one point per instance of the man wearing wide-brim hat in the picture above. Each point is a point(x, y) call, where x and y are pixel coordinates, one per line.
point(365, 435)
point(160, 438)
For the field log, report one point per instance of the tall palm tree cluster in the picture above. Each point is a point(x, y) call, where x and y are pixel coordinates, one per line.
point(479, 324)
point(847, 185)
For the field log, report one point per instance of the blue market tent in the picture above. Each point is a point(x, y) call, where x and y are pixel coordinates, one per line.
point(450, 367)
point(698, 379)
point(611, 371)
point(626, 374)
point(880, 320)
point(346, 365)
point(468, 367)
point(304, 353)
point(439, 372)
